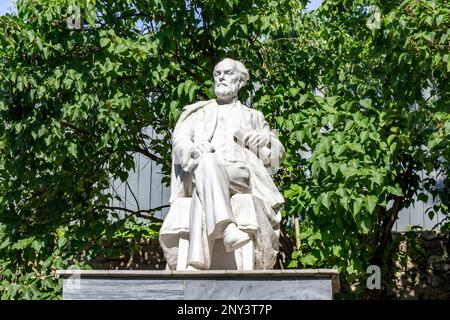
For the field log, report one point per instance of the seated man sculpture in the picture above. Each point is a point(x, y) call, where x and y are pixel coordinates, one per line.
point(221, 188)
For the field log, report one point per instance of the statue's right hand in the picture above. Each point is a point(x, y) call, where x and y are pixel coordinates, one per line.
point(200, 148)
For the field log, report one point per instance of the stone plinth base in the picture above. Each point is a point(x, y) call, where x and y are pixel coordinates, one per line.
point(315, 284)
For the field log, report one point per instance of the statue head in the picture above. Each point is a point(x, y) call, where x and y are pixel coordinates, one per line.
point(229, 77)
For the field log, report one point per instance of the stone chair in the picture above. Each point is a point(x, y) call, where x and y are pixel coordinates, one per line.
point(251, 215)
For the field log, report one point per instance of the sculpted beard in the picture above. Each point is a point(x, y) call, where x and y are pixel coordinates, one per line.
point(225, 91)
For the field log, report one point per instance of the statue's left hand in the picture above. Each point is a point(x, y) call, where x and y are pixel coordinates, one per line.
point(256, 139)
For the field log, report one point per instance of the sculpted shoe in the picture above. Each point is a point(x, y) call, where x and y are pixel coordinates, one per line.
point(233, 238)
point(191, 268)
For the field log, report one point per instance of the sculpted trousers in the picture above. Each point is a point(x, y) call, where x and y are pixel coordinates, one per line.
point(214, 184)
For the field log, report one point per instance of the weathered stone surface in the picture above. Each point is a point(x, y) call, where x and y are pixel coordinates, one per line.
point(200, 285)
point(289, 289)
point(428, 235)
point(149, 256)
point(425, 274)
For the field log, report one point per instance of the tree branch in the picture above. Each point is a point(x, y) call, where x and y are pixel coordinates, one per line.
point(137, 213)
point(75, 128)
point(134, 196)
point(146, 153)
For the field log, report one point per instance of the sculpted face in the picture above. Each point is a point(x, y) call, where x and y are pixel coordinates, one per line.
point(227, 80)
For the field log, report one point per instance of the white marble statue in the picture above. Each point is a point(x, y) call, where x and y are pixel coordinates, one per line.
point(225, 208)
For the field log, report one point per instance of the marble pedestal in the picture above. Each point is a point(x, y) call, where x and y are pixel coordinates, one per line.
point(314, 284)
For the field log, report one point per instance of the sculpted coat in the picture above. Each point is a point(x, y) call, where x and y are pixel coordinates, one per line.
point(256, 211)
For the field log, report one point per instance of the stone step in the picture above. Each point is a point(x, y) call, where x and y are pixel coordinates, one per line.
point(309, 284)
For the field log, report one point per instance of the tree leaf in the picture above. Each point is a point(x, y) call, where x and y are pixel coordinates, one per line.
point(357, 205)
point(371, 203)
point(366, 103)
point(104, 42)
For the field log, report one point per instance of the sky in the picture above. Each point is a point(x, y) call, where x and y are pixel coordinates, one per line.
point(7, 6)
point(313, 4)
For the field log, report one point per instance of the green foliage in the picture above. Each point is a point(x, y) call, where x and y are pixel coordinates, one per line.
point(28, 266)
point(368, 128)
point(75, 103)
point(347, 102)
point(73, 108)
